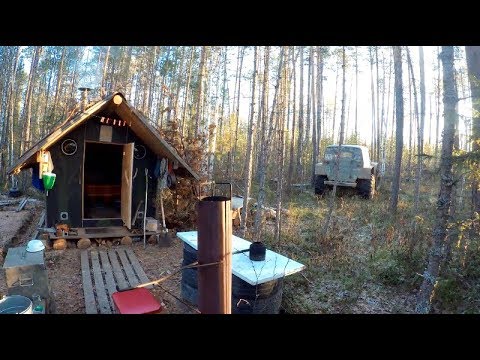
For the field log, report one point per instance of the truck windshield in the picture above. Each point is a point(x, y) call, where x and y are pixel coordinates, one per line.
point(345, 153)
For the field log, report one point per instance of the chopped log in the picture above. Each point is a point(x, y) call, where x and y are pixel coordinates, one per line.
point(109, 243)
point(63, 227)
point(236, 221)
point(117, 99)
point(126, 240)
point(84, 243)
point(116, 241)
point(152, 239)
point(59, 244)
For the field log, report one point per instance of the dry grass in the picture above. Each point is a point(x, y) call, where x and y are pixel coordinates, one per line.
point(370, 261)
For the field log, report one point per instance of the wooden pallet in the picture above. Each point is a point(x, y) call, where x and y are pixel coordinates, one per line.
point(110, 268)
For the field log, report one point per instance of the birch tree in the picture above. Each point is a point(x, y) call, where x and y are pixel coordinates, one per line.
point(473, 64)
point(248, 159)
point(397, 60)
point(439, 233)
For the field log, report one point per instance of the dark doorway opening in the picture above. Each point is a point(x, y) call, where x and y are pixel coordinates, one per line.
point(102, 181)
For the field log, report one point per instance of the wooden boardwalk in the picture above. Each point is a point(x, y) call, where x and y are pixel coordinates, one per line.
point(108, 269)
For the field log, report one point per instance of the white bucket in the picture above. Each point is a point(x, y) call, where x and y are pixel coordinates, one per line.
point(16, 304)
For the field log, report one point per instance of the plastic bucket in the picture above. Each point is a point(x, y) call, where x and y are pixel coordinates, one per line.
point(16, 304)
point(48, 180)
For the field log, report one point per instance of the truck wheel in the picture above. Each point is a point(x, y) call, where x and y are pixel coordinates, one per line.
point(320, 184)
point(366, 188)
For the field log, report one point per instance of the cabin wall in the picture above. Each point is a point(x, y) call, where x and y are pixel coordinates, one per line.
point(66, 196)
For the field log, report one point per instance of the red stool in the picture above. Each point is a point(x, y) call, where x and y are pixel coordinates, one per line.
point(136, 301)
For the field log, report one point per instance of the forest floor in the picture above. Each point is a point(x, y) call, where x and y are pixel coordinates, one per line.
point(64, 268)
point(369, 262)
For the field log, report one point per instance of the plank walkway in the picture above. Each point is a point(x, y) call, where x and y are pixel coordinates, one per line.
point(109, 269)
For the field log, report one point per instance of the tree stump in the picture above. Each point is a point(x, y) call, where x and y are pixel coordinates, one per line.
point(126, 240)
point(59, 244)
point(84, 243)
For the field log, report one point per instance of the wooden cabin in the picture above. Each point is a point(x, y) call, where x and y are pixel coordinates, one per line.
point(101, 157)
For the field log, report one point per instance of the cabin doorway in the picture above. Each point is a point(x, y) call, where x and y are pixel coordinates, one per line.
point(107, 181)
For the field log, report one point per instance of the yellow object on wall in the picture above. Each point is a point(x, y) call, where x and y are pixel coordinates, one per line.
point(46, 163)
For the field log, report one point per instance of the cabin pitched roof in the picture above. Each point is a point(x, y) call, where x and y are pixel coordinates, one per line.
point(139, 123)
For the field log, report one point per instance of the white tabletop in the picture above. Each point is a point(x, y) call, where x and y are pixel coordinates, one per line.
point(253, 272)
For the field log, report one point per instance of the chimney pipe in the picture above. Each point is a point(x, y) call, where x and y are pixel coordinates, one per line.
point(84, 100)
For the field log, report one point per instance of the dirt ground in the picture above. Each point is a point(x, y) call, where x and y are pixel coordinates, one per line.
point(16, 228)
point(64, 268)
point(65, 277)
point(11, 222)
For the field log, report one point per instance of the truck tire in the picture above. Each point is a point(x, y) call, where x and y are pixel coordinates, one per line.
point(320, 184)
point(366, 187)
point(243, 290)
point(189, 293)
point(189, 254)
point(189, 277)
point(267, 305)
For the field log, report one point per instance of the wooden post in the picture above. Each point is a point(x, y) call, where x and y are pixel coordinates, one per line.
point(214, 244)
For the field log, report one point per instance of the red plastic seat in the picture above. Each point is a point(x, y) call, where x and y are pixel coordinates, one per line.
point(136, 301)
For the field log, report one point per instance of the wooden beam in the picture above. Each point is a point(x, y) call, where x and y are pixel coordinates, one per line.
point(132, 279)
point(40, 224)
point(8, 202)
point(22, 205)
point(100, 285)
point(109, 280)
point(117, 270)
point(137, 267)
point(90, 307)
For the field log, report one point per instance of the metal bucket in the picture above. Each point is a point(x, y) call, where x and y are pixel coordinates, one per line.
point(16, 304)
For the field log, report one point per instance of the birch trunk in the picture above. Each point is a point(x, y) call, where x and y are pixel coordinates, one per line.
point(248, 159)
point(397, 60)
point(439, 233)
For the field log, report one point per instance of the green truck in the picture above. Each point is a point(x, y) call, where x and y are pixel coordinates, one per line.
point(355, 170)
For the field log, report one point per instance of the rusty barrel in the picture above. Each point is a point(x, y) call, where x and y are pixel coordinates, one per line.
point(214, 245)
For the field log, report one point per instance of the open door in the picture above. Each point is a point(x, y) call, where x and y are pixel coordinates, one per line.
point(126, 192)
